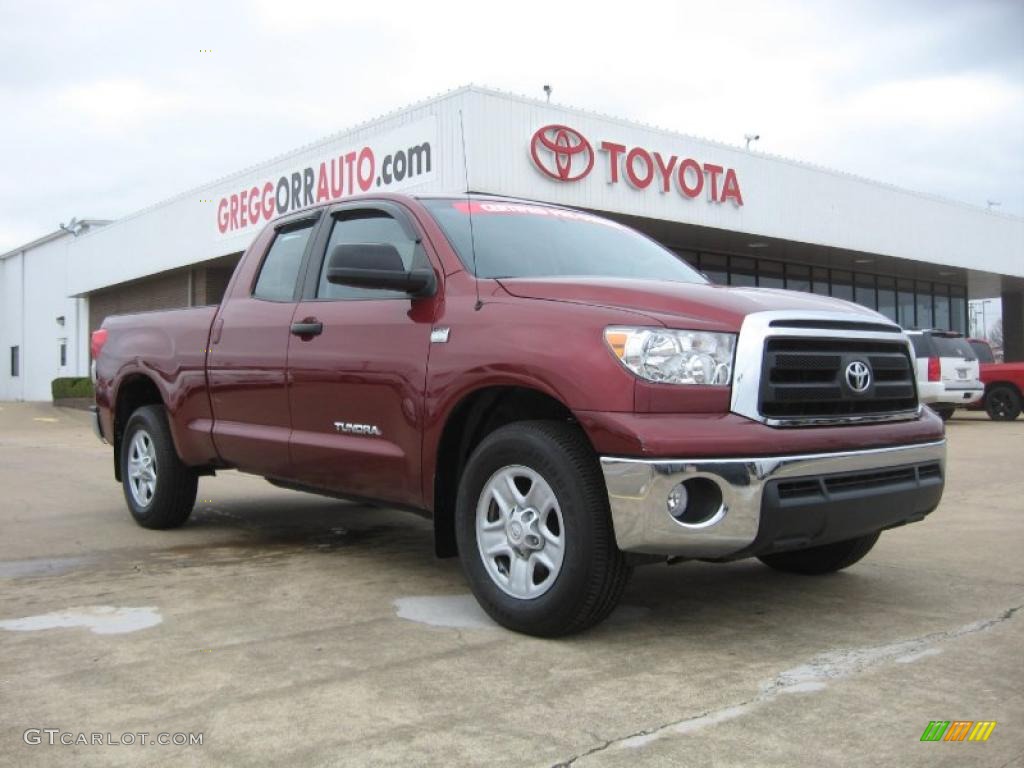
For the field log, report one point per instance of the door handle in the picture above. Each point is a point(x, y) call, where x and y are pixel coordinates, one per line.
point(308, 327)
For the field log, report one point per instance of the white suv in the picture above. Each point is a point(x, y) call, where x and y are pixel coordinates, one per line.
point(948, 373)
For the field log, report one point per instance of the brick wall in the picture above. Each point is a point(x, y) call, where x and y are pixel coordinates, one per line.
point(168, 290)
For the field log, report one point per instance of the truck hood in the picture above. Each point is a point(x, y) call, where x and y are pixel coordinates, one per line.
point(698, 305)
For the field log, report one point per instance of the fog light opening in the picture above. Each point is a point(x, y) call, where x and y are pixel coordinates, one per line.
point(695, 503)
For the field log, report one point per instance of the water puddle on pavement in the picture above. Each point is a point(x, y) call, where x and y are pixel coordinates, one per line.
point(463, 612)
point(99, 619)
point(42, 566)
point(451, 611)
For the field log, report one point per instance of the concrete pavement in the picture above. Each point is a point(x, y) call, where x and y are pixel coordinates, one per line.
point(292, 629)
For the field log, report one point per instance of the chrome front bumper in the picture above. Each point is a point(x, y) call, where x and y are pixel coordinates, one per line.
point(638, 489)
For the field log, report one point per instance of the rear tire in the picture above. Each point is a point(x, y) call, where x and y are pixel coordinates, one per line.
point(1002, 403)
point(159, 489)
point(827, 558)
point(535, 533)
point(945, 412)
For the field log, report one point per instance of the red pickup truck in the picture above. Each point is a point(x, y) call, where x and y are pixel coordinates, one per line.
point(564, 397)
point(1004, 384)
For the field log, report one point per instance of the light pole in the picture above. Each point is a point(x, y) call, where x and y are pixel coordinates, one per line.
point(984, 319)
point(751, 137)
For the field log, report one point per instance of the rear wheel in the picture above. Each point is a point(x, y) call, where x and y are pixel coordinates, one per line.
point(944, 411)
point(827, 558)
point(160, 490)
point(534, 530)
point(1002, 403)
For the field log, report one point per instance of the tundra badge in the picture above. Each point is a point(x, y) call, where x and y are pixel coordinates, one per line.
point(369, 430)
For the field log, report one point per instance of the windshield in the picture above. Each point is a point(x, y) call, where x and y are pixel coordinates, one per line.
point(524, 240)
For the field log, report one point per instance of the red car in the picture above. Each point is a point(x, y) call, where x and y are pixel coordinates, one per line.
point(561, 395)
point(1004, 384)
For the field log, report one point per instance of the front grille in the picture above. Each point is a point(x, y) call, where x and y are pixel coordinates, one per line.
point(805, 378)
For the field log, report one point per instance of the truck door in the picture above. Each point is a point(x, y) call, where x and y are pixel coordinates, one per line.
point(247, 361)
point(357, 378)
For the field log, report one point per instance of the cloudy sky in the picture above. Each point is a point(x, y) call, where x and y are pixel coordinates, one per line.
point(109, 107)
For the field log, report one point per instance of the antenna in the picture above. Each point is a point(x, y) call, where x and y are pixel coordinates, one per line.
point(469, 210)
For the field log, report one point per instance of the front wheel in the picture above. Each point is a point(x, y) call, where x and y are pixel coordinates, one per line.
point(159, 488)
point(827, 558)
point(1002, 403)
point(534, 530)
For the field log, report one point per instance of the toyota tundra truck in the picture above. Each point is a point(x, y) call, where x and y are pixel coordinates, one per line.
point(562, 396)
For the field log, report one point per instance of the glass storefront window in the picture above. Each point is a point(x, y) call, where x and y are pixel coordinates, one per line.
point(742, 271)
point(690, 257)
point(958, 309)
point(715, 267)
point(821, 281)
point(798, 278)
point(942, 307)
point(911, 304)
point(864, 291)
point(925, 318)
point(769, 274)
point(905, 304)
point(887, 297)
point(842, 285)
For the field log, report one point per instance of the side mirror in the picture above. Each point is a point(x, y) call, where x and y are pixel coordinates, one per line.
point(377, 266)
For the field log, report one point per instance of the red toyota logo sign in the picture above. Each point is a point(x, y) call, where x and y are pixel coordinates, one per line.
point(564, 154)
point(561, 153)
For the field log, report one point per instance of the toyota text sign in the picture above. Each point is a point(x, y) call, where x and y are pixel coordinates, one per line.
point(565, 155)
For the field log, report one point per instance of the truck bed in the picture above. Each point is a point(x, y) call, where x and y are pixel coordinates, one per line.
point(168, 347)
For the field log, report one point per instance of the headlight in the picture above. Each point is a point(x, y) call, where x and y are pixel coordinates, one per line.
point(674, 357)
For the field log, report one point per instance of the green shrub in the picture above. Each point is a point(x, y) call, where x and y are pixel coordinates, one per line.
point(71, 386)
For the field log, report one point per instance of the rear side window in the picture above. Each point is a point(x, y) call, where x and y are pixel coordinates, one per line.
point(953, 347)
point(280, 270)
point(983, 351)
point(922, 344)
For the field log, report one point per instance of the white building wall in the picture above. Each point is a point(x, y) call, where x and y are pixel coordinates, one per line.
point(35, 295)
point(10, 325)
point(781, 198)
point(184, 230)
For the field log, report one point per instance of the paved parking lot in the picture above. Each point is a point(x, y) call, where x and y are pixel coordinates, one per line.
point(289, 629)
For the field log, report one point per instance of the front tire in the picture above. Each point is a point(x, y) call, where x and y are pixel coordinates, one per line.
point(1002, 403)
point(534, 530)
point(827, 558)
point(160, 490)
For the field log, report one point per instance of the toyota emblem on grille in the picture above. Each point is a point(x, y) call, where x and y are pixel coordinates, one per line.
point(858, 376)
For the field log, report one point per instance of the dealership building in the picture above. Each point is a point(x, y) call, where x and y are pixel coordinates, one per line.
point(742, 217)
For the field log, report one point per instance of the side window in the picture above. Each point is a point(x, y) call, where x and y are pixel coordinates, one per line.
point(922, 344)
point(280, 269)
point(369, 226)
